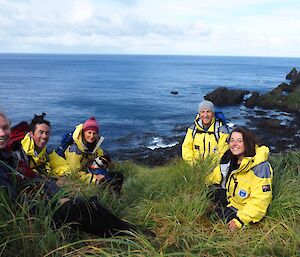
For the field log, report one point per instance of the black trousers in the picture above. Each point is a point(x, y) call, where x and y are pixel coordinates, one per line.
point(91, 217)
point(114, 181)
point(218, 196)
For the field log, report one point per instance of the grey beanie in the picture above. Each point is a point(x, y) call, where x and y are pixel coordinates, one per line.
point(206, 105)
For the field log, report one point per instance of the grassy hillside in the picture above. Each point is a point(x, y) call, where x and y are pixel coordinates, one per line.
point(170, 200)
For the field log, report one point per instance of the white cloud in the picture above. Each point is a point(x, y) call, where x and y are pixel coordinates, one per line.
point(232, 27)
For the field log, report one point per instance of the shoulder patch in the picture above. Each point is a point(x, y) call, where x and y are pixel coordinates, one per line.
point(266, 188)
point(262, 170)
point(74, 149)
point(224, 130)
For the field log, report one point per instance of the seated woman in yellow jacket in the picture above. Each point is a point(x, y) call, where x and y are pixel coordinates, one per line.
point(79, 155)
point(242, 183)
point(206, 137)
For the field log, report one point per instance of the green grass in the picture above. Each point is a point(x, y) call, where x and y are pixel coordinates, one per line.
point(171, 201)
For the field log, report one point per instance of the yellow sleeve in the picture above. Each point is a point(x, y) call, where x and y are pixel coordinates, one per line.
point(187, 148)
point(223, 146)
point(59, 166)
point(214, 177)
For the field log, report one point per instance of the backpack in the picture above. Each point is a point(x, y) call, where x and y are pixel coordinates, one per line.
point(18, 132)
point(66, 141)
point(220, 122)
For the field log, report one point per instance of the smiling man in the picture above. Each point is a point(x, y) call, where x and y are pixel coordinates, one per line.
point(206, 137)
point(33, 146)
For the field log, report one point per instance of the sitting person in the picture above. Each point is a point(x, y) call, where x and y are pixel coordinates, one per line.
point(80, 155)
point(242, 183)
point(88, 215)
point(206, 137)
point(32, 149)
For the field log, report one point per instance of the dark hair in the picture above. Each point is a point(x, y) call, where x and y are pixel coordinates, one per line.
point(249, 139)
point(38, 119)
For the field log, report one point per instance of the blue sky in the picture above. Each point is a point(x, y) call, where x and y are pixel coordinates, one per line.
point(193, 27)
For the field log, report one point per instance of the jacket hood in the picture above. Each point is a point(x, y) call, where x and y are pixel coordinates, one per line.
point(29, 147)
point(78, 139)
point(262, 155)
point(199, 125)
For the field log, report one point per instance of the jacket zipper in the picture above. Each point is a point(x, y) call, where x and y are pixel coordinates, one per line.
point(235, 180)
point(203, 146)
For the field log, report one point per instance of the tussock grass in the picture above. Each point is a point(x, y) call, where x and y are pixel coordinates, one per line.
point(172, 201)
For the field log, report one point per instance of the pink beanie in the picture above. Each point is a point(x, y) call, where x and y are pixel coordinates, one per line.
point(91, 124)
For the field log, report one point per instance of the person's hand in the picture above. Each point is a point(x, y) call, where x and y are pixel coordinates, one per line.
point(232, 225)
point(98, 178)
point(63, 200)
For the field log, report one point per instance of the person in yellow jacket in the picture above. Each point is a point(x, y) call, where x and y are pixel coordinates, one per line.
point(206, 137)
point(82, 153)
point(33, 146)
point(242, 183)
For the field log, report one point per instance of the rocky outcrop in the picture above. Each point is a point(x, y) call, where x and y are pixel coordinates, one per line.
point(285, 97)
point(292, 74)
point(223, 96)
point(295, 81)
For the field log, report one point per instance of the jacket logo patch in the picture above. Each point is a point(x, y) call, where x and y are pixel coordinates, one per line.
point(266, 188)
point(243, 193)
point(197, 147)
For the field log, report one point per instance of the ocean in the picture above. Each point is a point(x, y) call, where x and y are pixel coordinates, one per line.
point(130, 94)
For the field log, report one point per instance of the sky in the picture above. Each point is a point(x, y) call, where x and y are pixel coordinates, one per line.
point(180, 27)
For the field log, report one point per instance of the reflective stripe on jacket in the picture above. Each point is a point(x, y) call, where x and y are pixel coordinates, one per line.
point(204, 143)
point(78, 156)
point(249, 188)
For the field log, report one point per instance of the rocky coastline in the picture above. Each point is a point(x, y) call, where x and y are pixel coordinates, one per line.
point(279, 136)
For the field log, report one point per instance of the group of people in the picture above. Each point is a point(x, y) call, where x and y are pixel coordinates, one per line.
point(27, 165)
point(240, 185)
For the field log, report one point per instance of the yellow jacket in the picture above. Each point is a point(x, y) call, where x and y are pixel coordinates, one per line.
point(77, 157)
point(249, 188)
point(200, 143)
point(39, 162)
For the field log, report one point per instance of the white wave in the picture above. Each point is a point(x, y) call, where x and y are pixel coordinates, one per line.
point(157, 142)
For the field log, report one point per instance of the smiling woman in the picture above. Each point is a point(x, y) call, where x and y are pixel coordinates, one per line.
point(242, 183)
point(82, 152)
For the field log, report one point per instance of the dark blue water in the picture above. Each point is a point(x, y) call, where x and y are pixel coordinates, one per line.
point(128, 94)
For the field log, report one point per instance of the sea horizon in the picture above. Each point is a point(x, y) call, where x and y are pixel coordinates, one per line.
point(145, 54)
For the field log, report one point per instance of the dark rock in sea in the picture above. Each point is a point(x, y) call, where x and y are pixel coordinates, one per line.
point(261, 113)
point(272, 133)
point(174, 92)
point(223, 96)
point(270, 123)
point(292, 74)
point(278, 91)
point(180, 128)
point(252, 101)
point(284, 97)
